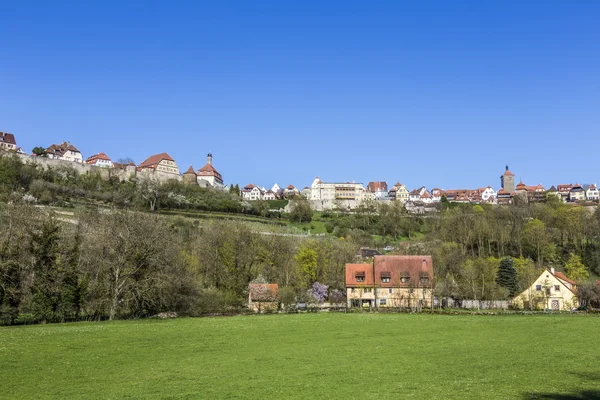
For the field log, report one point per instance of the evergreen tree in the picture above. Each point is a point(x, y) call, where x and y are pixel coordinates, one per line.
point(507, 276)
point(45, 251)
point(236, 189)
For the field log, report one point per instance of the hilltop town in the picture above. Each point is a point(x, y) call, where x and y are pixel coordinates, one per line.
point(321, 195)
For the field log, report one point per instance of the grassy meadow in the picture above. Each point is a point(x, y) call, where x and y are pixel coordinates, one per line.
point(306, 356)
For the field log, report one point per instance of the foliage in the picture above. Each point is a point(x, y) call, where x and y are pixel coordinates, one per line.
point(319, 291)
point(300, 211)
point(507, 276)
point(574, 269)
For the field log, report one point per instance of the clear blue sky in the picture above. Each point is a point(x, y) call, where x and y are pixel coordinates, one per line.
point(436, 93)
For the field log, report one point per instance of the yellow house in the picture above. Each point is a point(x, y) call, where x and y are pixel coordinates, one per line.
point(551, 290)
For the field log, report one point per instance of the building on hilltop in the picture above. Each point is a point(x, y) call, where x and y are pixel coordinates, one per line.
point(65, 151)
point(391, 281)
point(564, 190)
point(252, 192)
point(507, 181)
point(379, 189)
point(577, 193)
point(336, 190)
point(399, 192)
point(161, 163)
point(189, 176)
point(7, 141)
point(99, 160)
point(592, 193)
point(209, 174)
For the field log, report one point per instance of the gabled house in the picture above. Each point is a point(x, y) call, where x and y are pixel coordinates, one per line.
point(391, 281)
point(436, 195)
point(551, 291)
point(19, 150)
point(305, 192)
point(65, 151)
point(263, 296)
point(379, 189)
point(7, 141)
point(269, 195)
point(99, 160)
point(564, 190)
point(592, 193)
point(291, 191)
point(159, 162)
point(416, 195)
point(209, 174)
point(399, 192)
point(577, 193)
point(504, 197)
point(252, 192)
point(487, 194)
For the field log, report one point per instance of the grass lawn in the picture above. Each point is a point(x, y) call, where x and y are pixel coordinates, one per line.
point(307, 356)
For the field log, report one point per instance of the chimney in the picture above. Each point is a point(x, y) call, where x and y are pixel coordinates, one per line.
point(209, 159)
point(552, 270)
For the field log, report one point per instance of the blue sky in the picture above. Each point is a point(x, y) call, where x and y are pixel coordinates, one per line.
point(436, 93)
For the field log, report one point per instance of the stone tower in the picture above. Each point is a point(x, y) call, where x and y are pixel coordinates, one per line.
point(507, 181)
point(190, 177)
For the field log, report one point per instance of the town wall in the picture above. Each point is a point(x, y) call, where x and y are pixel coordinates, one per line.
point(122, 173)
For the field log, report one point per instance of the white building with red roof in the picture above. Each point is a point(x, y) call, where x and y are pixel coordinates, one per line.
point(252, 192)
point(209, 174)
point(99, 160)
point(160, 163)
point(592, 193)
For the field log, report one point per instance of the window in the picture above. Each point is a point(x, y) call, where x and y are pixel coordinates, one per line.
point(360, 277)
point(386, 277)
point(368, 290)
point(390, 290)
point(424, 277)
point(404, 277)
point(382, 302)
point(538, 288)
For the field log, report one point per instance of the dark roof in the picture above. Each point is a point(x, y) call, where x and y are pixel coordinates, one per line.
point(6, 137)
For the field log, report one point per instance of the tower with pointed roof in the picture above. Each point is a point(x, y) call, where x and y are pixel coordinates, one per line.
point(507, 181)
point(209, 174)
point(190, 177)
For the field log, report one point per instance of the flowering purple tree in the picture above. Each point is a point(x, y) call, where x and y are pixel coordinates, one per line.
point(318, 291)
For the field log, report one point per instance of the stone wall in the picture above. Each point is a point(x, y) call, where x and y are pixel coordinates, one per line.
point(123, 174)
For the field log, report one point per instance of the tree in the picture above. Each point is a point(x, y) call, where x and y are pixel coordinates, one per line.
point(575, 269)
point(307, 261)
point(507, 276)
point(537, 241)
point(301, 211)
point(39, 151)
point(319, 291)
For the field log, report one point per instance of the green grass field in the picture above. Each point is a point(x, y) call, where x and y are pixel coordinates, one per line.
point(307, 356)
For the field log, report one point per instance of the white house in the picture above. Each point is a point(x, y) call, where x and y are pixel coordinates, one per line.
point(65, 151)
point(99, 160)
point(209, 174)
point(252, 192)
point(7, 141)
point(551, 290)
point(487, 194)
point(592, 193)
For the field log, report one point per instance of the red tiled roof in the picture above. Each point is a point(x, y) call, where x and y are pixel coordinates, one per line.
point(190, 171)
point(508, 173)
point(563, 277)
point(377, 186)
point(9, 138)
point(413, 267)
point(94, 159)
point(152, 161)
point(209, 170)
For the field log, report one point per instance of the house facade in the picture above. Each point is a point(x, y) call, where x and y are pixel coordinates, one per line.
point(65, 151)
point(7, 141)
point(551, 291)
point(577, 193)
point(99, 160)
point(379, 190)
point(390, 281)
point(252, 192)
point(159, 162)
point(320, 190)
point(592, 193)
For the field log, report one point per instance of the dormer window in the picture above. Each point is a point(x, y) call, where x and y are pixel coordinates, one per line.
point(424, 277)
point(386, 277)
point(360, 276)
point(404, 277)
